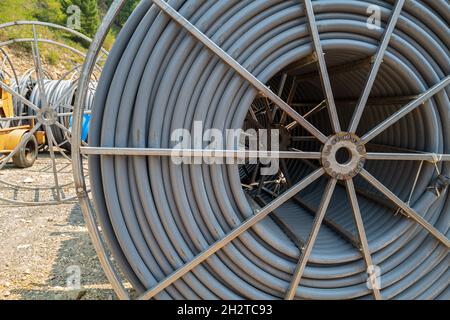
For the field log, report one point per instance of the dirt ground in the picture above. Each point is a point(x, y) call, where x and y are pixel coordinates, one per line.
point(44, 248)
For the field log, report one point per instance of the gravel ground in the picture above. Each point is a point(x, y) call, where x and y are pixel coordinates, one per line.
point(44, 247)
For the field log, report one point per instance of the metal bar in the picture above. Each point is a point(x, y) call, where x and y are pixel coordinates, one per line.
point(38, 67)
point(47, 41)
point(319, 107)
point(276, 217)
point(373, 197)
point(66, 114)
point(269, 114)
point(374, 101)
point(364, 193)
point(304, 254)
point(257, 217)
point(295, 68)
point(251, 116)
point(60, 150)
point(89, 215)
point(362, 234)
point(406, 110)
point(334, 70)
point(288, 101)
point(431, 157)
point(282, 84)
point(376, 66)
point(50, 137)
point(18, 118)
point(348, 236)
point(407, 209)
point(374, 147)
point(16, 78)
point(62, 127)
point(263, 89)
point(324, 77)
point(167, 152)
point(303, 139)
point(19, 96)
point(69, 134)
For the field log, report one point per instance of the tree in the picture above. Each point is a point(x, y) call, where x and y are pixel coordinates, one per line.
point(125, 12)
point(49, 11)
point(89, 16)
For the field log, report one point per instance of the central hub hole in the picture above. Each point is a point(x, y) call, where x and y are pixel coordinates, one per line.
point(47, 115)
point(343, 156)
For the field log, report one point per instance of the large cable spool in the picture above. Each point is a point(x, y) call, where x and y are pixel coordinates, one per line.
point(45, 179)
point(198, 231)
point(61, 94)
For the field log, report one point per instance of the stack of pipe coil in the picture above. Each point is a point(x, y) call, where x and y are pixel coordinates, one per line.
point(157, 216)
point(60, 94)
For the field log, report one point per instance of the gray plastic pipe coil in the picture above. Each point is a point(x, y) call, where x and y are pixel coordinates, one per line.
point(157, 216)
point(60, 95)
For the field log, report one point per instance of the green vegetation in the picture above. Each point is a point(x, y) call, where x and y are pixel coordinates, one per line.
point(52, 57)
point(126, 11)
point(55, 11)
point(89, 14)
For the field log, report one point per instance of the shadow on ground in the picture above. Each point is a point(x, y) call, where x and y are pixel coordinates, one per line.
point(75, 263)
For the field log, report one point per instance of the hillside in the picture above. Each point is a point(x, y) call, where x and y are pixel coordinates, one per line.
point(55, 11)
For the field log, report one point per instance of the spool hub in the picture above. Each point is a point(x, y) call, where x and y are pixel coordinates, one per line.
point(343, 156)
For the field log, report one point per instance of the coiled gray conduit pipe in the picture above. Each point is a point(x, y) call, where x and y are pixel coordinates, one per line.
point(60, 94)
point(157, 216)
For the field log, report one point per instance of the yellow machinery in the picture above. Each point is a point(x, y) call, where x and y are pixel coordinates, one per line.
point(10, 138)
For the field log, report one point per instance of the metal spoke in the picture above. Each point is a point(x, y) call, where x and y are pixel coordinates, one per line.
point(19, 96)
point(38, 67)
point(362, 234)
point(325, 79)
point(58, 145)
point(16, 78)
point(333, 70)
point(50, 139)
point(406, 110)
point(269, 114)
point(255, 172)
point(333, 225)
point(314, 110)
point(196, 153)
point(383, 148)
point(68, 133)
point(282, 84)
point(376, 67)
point(285, 172)
point(407, 209)
point(288, 101)
point(18, 118)
point(251, 116)
point(22, 143)
point(306, 252)
point(263, 89)
point(374, 101)
point(257, 217)
point(431, 157)
point(62, 127)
